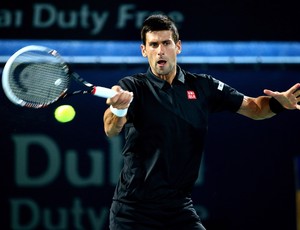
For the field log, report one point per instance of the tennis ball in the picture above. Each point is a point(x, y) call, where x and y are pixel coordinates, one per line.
point(64, 113)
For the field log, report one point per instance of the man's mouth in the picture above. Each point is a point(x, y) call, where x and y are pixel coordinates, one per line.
point(161, 62)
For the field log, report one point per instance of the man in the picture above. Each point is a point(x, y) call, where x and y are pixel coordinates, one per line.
point(164, 113)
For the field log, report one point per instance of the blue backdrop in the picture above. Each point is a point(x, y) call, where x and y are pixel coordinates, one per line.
point(62, 176)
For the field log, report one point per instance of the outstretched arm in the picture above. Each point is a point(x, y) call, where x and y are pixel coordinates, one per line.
point(115, 116)
point(259, 108)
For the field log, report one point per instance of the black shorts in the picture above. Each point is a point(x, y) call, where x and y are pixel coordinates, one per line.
point(124, 216)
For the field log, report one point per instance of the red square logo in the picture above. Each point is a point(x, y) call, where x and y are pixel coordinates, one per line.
point(191, 95)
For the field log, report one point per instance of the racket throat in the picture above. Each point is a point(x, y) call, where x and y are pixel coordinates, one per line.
point(93, 91)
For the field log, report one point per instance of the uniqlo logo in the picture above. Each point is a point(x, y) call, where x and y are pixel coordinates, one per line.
point(191, 95)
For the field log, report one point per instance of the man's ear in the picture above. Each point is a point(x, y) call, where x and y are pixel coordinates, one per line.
point(143, 50)
point(178, 44)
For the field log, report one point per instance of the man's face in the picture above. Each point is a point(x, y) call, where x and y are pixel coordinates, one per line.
point(161, 52)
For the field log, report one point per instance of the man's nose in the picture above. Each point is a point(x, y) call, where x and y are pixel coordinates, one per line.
point(161, 50)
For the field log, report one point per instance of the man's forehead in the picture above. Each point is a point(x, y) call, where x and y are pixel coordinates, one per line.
point(162, 35)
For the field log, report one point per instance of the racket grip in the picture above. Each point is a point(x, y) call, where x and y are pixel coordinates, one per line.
point(103, 92)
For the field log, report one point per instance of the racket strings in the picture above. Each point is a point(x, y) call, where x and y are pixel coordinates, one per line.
point(38, 78)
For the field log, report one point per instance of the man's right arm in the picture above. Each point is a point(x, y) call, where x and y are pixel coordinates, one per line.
point(113, 124)
point(115, 116)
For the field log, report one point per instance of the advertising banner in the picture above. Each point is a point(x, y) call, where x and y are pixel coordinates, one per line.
point(61, 176)
point(121, 20)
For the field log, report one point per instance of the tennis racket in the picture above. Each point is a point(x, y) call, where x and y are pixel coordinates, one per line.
point(37, 76)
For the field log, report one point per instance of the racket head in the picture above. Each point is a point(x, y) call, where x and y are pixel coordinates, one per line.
point(35, 76)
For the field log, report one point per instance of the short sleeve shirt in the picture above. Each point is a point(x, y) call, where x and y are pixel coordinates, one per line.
point(165, 133)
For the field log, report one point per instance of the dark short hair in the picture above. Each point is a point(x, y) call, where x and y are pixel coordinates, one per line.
point(158, 22)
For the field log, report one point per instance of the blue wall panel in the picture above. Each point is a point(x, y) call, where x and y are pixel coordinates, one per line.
point(55, 174)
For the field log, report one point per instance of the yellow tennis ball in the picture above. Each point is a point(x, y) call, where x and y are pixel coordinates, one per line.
point(64, 113)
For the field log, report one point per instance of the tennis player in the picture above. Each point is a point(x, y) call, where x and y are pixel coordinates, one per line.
point(164, 113)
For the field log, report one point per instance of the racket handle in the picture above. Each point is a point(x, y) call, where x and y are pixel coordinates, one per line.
point(103, 92)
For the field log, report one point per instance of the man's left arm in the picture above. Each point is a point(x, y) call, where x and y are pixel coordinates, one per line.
point(263, 107)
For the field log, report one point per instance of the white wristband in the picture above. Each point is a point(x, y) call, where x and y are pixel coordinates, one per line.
point(118, 112)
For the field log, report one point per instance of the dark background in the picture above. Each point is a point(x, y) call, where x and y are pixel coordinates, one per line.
point(215, 20)
point(248, 176)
